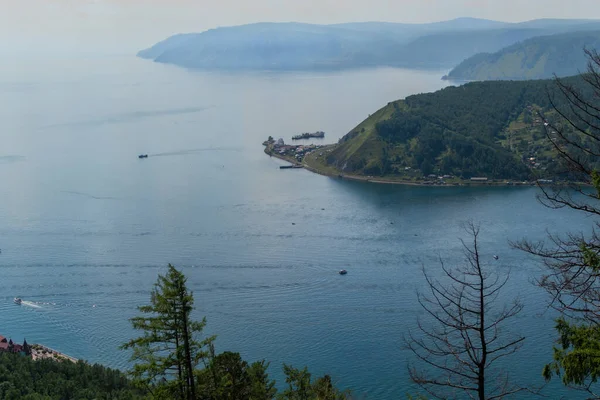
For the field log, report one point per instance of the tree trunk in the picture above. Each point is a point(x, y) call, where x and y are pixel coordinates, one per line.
point(483, 361)
point(179, 372)
point(188, 353)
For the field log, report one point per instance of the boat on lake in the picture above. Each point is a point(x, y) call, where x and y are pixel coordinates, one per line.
point(343, 272)
point(143, 156)
point(18, 301)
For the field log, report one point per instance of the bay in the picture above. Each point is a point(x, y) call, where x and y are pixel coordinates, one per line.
point(86, 226)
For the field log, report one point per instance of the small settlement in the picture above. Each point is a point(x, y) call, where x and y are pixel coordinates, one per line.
point(35, 351)
point(7, 346)
point(289, 152)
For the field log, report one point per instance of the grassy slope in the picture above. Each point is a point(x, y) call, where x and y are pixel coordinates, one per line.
point(362, 142)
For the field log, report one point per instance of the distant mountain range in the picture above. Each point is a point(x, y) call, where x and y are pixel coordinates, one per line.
point(536, 58)
point(297, 46)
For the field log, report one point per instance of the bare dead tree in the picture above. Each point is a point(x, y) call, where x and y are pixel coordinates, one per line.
point(573, 129)
point(572, 261)
point(574, 286)
point(461, 338)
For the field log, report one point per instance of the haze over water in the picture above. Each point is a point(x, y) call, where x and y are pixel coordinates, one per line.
point(85, 226)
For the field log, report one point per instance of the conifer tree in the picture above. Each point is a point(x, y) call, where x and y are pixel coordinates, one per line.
point(301, 387)
point(170, 349)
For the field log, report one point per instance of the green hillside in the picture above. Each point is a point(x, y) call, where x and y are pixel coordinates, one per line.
point(482, 129)
point(536, 58)
point(47, 379)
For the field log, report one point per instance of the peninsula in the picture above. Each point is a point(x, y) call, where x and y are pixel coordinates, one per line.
point(481, 133)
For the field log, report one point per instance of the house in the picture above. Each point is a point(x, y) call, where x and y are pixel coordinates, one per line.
point(479, 179)
point(7, 345)
point(17, 348)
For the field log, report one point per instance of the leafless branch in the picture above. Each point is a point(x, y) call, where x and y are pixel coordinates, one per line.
point(461, 336)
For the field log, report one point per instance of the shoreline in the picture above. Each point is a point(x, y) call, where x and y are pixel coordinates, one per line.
point(383, 181)
point(38, 350)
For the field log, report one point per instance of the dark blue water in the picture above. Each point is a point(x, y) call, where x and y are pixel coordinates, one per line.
point(85, 226)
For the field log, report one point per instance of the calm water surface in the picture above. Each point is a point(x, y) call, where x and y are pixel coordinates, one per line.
point(85, 227)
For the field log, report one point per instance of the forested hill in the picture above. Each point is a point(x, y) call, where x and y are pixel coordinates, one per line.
point(535, 58)
point(481, 129)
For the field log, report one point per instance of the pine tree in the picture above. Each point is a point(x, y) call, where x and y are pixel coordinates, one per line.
point(169, 350)
point(26, 348)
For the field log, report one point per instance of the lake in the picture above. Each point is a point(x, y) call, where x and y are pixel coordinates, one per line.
point(86, 226)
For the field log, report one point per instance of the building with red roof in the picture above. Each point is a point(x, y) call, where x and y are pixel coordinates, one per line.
point(8, 345)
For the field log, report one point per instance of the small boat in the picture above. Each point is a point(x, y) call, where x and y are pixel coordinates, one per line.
point(343, 272)
point(18, 301)
point(495, 257)
point(143, 156)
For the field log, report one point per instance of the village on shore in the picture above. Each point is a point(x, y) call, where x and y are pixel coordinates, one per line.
point(35, 351)
point(292, 153)
point(298, 156)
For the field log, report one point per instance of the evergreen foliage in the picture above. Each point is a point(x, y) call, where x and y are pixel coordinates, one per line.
point(301, 387)
point(229, 377)
point(168, 368)
point(460, 131)
point(169, 351)
point(21, 378)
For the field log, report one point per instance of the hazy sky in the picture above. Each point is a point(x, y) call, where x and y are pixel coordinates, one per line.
point(129, 24)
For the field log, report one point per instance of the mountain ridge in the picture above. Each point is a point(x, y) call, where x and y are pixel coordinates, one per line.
point(540, 57)
point(302, 46)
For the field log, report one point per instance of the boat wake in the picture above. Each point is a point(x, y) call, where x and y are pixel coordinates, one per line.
point(193, 151)
point(30, 304)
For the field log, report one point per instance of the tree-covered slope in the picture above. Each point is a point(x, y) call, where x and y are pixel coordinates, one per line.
point(298, 46)
point(23, 378)
point(535, 58)
point(481, 129)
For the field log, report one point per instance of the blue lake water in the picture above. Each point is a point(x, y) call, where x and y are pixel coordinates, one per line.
point(85, 226)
